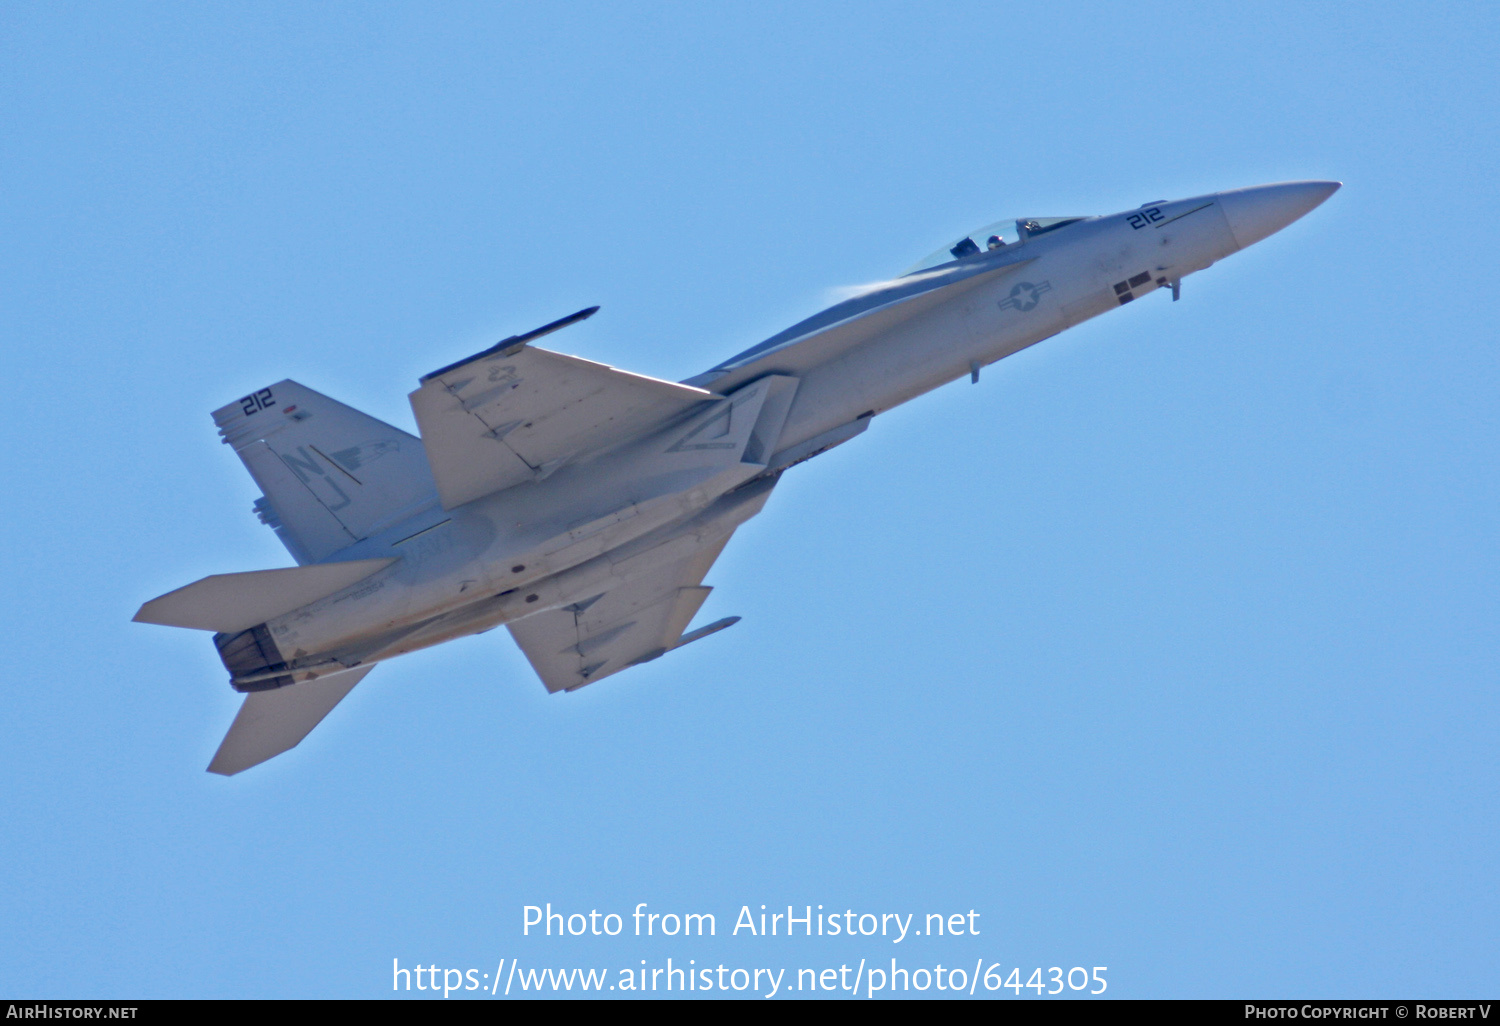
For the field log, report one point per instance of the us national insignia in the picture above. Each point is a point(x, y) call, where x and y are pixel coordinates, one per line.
point(1025, 296)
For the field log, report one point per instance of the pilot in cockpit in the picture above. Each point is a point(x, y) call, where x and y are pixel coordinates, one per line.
point(995, 242)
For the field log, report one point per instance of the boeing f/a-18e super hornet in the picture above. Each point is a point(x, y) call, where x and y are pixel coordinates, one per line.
point(581, 505)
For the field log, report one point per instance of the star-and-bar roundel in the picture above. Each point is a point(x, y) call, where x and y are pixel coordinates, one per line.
point(1025, 296)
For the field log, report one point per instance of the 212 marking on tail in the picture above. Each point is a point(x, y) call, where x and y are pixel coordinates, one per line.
point(261, 400)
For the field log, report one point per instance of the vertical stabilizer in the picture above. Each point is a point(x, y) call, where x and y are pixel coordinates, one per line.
point(331, 476)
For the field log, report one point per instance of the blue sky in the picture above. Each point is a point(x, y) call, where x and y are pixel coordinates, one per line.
point(1170, 647)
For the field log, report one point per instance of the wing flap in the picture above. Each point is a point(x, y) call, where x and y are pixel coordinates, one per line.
point(508, 417)
point(272, 722)
point(237, 602)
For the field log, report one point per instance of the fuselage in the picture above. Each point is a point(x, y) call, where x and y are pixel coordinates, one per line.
point(557, 540)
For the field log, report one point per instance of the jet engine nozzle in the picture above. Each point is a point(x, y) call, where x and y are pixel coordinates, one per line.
point(1263, 210)
point(252, 653)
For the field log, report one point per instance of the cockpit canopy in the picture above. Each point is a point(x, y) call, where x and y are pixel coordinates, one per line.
point(1000, 235)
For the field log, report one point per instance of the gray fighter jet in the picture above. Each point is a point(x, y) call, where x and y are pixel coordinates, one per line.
point(581, 506)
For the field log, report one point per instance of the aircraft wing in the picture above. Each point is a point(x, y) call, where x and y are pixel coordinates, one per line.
point(637, 620)
point(514, 413)
point(237, 602)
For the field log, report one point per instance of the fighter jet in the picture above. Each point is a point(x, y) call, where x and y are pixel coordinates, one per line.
point(582, 506)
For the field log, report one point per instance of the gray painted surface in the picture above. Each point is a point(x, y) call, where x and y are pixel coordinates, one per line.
point(583, 505)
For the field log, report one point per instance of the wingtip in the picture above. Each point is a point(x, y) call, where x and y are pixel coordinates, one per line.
point(516, 341)
point(703, 632)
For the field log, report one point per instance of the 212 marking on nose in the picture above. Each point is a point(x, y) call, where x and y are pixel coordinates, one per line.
point(1148, 216)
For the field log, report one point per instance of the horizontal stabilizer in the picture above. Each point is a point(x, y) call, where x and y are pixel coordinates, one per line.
point(270, 722)
point(236, 602)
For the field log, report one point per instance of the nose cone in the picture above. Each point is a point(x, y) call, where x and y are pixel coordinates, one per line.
point(1263, 210)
